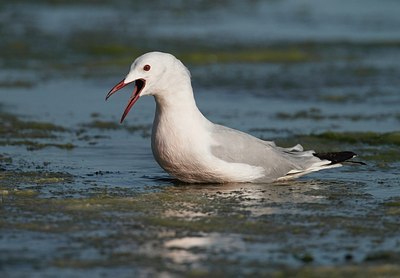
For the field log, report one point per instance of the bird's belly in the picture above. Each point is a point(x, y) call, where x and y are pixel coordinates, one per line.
point(182, 161)
point(194, 164)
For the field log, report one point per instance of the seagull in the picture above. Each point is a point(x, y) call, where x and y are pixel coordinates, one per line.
point(192, 149)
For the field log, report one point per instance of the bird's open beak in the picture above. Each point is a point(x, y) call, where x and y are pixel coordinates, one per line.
point(139, 85)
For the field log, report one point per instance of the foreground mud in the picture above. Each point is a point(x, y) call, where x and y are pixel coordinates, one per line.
point(55, 221)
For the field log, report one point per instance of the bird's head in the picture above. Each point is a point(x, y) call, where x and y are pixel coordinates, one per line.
point(153, 74)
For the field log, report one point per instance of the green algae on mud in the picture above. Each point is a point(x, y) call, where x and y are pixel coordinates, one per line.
point(372, 146)
point(12, 126)
point(17, 132)
point(121, 52)
point(99, 124)
point(14, 178)
point(369, 137)
point(34, 146)
point(16, 84)
point(196, 57)
point(392, 206)
point(4, 158)
point(317, 114)
point(356, 271)
point(265, 55)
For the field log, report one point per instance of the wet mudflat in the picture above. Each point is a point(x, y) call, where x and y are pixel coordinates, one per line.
point(80, 194)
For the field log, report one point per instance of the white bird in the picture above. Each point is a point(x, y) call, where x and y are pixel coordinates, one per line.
point(193, 149)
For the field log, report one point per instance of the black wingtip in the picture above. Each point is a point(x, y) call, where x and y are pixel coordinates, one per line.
point(336, 157)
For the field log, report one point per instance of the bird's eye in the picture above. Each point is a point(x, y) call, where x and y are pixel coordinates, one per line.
point(146, 68)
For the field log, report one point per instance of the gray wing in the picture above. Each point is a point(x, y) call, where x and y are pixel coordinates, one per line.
point(238, 147)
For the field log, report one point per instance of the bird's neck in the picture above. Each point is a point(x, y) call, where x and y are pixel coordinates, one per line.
point(176, 106)
point(176, 96)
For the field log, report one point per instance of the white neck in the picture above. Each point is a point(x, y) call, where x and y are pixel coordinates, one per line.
point(179, 107)
point(175, 101)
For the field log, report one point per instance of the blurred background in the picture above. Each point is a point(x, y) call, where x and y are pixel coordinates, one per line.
point(81, 194)
point(336, 52)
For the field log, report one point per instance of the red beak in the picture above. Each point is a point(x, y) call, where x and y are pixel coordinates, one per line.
point(139, 85)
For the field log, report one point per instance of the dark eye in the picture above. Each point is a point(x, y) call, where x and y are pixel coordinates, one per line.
point(146, 67)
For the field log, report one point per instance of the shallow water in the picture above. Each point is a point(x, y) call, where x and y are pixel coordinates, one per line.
point(80, 195)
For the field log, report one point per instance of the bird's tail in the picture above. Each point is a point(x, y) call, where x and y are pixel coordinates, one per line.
point(338, 157)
